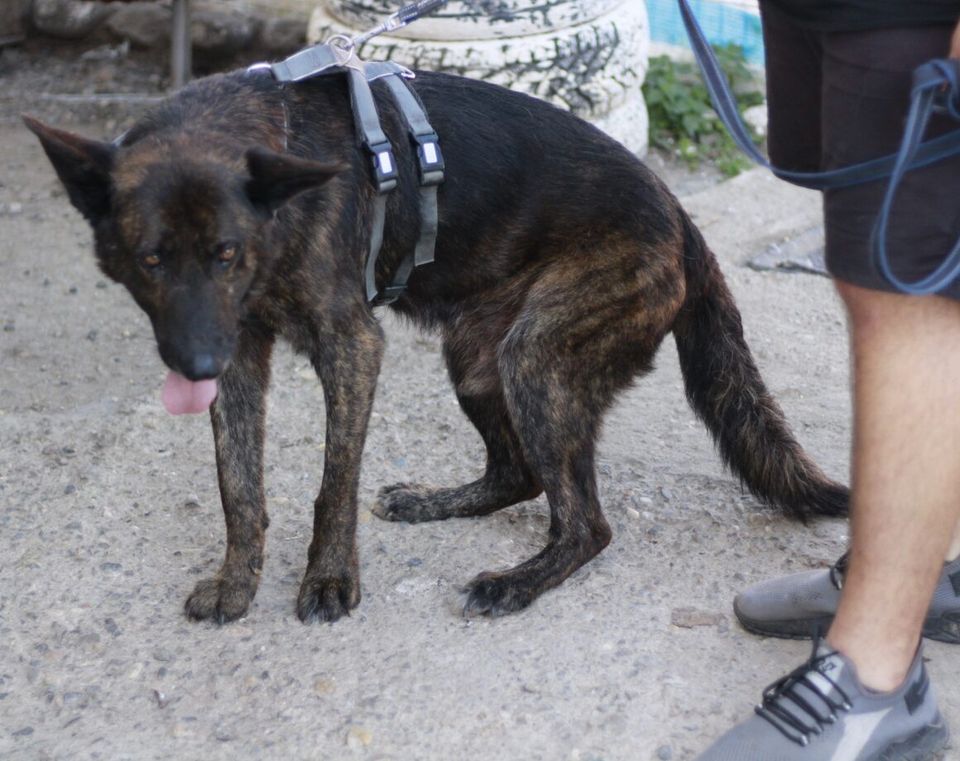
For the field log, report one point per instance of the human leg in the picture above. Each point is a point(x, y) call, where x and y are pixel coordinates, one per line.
point(906, 468)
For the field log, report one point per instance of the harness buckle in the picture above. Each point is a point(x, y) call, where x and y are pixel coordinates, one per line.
point(385, 172)
point(429, 159)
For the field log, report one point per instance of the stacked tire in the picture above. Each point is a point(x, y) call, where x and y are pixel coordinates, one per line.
point(587, 56)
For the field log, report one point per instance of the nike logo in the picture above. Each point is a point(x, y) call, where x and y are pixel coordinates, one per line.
point(857, 731)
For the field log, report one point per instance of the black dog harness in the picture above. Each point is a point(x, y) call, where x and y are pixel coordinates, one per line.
point(338, 56)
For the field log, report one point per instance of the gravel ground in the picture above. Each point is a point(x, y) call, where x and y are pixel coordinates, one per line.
point(109, 513)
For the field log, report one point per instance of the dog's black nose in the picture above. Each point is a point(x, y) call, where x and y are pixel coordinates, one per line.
point(201, 367)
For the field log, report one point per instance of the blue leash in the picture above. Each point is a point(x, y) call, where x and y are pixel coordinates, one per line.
point(936, 87)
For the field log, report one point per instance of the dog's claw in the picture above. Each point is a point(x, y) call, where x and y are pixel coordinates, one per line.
point(219, 600)
point(400, 502)
point(327, 599)
point(411, 503)
point(493, 594)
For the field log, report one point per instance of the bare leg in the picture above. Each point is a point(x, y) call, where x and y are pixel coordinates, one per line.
point(906, 473)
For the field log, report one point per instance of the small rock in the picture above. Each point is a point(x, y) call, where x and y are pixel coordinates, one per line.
point(92, 335)
point(756, 117)
point(161, 698)
point(635, 514)
point(74, 290)
point(222, 33)
point(164, 656)
point(324, 686)
point(145, 24)
point(69, 489)
point(14, 208)
point(111, 626)
point(192, 500)
point(9, 327)
point(666, 493)
point(71, 699)
point(414, 562)
point(688, 618)
point(359, 737)
point(24, 732)
point(111, 567)
point(101, 284)
point(664, 753)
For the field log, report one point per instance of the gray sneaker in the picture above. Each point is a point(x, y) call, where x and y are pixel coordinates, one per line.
point(795, 606)
point(821, 712)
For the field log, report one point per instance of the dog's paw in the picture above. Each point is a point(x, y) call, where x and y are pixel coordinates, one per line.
point(403, 502)
point(219, 599)
point(327, 598)
point(496, 594)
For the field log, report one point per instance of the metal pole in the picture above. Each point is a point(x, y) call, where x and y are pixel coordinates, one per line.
point(180, 48)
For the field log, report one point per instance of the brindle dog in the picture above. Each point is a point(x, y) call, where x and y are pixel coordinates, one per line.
point(239, 210)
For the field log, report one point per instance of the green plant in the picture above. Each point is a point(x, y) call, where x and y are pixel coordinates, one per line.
point(682, 119)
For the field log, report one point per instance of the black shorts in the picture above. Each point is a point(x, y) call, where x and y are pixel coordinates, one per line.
point(839, 98)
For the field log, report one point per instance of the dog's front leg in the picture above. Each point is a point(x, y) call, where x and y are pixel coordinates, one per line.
point(348, 366)
point(238, 417)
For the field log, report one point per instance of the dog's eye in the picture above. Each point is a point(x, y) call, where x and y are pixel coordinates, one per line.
point(150, 261)
point(227, 253)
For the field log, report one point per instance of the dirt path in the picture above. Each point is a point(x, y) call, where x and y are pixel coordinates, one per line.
point(109, 513)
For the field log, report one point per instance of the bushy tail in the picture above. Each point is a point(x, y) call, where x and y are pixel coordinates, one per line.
point(726, 391)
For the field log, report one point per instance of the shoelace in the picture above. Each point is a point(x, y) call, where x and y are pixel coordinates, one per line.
point(839, 569)
point(805, 721)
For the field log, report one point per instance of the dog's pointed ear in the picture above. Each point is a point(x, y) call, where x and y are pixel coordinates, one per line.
point(83, 166)
point(275, 178)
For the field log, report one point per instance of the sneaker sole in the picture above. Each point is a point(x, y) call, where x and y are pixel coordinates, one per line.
point(798, 628)
point(929, 744)
point(943, 629)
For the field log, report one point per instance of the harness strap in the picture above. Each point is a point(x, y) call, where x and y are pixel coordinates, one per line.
point(431, 171)
point(325, 59)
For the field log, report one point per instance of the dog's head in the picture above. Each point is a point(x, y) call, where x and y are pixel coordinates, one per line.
point(186, 234)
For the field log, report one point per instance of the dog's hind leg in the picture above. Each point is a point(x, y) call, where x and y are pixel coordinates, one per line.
point(558, 436)
point(507, 479)
point(583, 336)
point(238, 417)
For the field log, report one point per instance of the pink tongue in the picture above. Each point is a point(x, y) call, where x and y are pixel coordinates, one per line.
point(181, 396)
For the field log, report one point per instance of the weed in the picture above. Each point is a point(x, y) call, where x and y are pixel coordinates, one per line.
point(682, 119)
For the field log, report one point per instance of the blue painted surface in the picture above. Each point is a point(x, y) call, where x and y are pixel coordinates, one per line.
point(721, 23)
